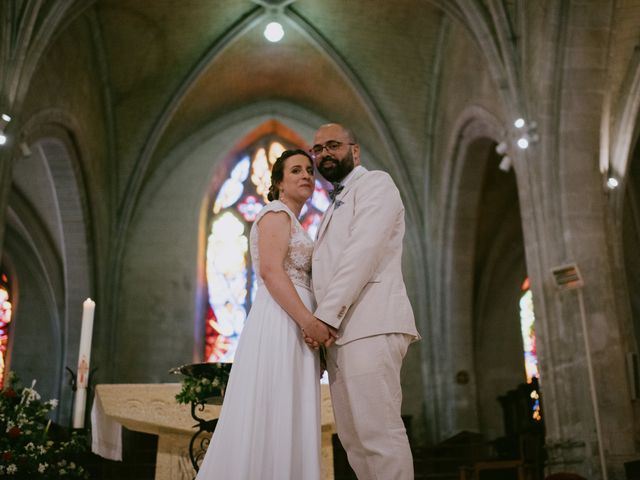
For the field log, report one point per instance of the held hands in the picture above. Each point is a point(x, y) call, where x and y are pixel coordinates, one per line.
point(317, 333)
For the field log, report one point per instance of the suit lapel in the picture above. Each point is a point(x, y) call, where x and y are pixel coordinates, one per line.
point(325, 221)
point(329, 213)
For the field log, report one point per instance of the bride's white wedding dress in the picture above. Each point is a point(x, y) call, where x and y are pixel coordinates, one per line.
point(269, 427)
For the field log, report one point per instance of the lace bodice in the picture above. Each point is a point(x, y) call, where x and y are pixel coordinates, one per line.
point(297, 264)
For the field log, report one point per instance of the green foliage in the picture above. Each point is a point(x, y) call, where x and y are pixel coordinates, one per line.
point(27, 449)
point(202, 382)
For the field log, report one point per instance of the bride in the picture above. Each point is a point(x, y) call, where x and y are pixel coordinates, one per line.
point(269, 426)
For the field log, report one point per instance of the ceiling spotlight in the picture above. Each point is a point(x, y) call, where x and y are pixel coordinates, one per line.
point(501, 148)
point(3, 139)
point(274, 32)
point(523, 143)
point(519, 123)
point(505, 164)
point(6, 117)
point(612, 183)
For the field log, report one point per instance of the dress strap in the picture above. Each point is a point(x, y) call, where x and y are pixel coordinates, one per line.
point(276, 206)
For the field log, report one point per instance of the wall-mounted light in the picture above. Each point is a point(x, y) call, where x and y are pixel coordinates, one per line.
point(612, 183)
point(529, 134)
point(505, 163)
point(4, 120)
point(24, 149)
point(274, 32)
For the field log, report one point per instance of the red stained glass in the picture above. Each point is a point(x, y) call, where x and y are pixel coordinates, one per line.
point(5, 320)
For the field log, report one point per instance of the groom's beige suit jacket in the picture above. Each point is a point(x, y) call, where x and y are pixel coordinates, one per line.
point(357, 277)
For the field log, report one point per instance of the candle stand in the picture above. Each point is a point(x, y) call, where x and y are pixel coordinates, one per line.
point(73, 383)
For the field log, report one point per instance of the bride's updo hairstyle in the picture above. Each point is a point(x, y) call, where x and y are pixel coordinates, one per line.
point(277, 172)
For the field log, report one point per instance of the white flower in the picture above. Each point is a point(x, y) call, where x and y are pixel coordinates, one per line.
point(33, 395)
point(12, 469)
point(53, 402)
point(30, 447)
point(42, 450)
point(62, 471)
point(72, 466)
point(42, 467)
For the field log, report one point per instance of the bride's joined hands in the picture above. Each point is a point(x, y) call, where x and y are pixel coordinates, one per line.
point(318, 333)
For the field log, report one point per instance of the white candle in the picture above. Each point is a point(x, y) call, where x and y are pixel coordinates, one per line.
point(84, 359)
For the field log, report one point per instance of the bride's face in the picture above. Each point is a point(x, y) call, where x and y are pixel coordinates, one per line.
point(297, 183)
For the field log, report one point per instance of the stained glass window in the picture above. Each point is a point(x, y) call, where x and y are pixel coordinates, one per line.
point(5, 321)
point(527, 326)
point(231, 280)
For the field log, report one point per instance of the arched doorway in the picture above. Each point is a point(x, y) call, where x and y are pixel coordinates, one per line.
point(631, 236)
point(487, 336)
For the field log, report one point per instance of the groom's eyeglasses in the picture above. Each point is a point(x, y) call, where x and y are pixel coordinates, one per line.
point(332, 146)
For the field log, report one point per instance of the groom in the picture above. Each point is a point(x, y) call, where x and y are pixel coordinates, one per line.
point(357, 281)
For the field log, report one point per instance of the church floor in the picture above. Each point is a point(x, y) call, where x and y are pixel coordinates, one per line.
point(140, 450)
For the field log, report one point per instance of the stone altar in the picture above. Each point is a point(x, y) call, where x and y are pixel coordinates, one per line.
point(152, 408)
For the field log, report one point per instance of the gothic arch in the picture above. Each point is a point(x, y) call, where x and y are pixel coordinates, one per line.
point(463, 298)
point(49, 214)
point(624, 160)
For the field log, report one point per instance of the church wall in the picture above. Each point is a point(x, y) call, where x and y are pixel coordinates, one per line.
point(564, 199)
point(155, 328)
point(67, 91)
point(466, 93)
point(64, 106)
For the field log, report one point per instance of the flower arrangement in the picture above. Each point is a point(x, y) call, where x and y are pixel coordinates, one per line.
point(27, 448)
point(203, 382)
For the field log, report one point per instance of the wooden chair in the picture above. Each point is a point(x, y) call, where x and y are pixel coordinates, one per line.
point(475, 472)
point(564, 476)
point(521, 449)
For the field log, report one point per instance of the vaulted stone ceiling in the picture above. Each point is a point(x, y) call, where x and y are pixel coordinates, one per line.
point(174, 67)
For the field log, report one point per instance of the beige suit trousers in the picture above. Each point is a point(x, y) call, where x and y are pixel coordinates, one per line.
point(364, 377)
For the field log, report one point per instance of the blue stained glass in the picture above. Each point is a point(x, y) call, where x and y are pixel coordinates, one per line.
point(527, 326)
point(230, 193)
point(232, 288)
point(241, 171)
point(320, 198)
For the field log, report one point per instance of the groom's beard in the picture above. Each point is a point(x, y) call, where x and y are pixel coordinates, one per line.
point(334, 170)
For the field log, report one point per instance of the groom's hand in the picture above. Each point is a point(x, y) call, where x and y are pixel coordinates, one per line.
point(333, 336)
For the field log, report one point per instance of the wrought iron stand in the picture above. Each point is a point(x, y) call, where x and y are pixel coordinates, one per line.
point(198, 448)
